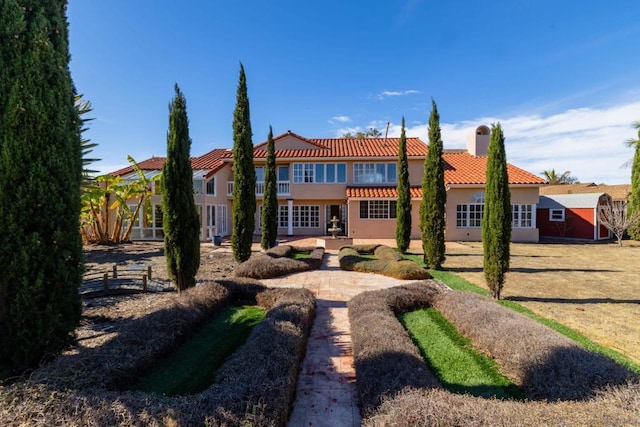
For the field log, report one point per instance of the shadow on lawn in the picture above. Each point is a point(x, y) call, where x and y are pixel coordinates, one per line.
point(574, 300)
point(532, 270)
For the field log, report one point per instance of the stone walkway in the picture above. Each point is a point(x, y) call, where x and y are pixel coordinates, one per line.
point(326, 393)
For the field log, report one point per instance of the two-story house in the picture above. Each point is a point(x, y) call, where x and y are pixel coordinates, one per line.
point(353, 180)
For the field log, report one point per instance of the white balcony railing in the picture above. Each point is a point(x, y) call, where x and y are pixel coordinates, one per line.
point(283, 188)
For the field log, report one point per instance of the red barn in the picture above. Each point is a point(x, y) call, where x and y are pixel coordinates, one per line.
point(572, 216)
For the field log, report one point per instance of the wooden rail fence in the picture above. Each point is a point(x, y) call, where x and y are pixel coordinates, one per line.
point(133, 278)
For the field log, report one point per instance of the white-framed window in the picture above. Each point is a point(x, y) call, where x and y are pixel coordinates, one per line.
point(197, 186)
point(322, 173)
point(211, 187)
point(378, 209)
point(306, 216)
point(556, 215)
point(259, 173)
point(470, 215)
point(283, 216)
point(283, 173)
point(375, 173)
point(522, 216)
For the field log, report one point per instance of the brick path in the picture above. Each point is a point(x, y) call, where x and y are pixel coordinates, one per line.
point(326, 394)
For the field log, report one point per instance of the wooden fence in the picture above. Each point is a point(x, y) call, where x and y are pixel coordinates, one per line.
point(121, 279)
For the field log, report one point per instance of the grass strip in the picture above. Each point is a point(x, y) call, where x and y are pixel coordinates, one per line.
point(459, 284)
point(453, 359)
point(300, 255)
point(192, 367)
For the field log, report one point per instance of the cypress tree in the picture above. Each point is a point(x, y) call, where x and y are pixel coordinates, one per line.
point(270, 201)
point(180, 220)
point(40, 178)
point(496, 221)
point(634, 198)
point(434, 197)
point(244, 176)
point(403, 206)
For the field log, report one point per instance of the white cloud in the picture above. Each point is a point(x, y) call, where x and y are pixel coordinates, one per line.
point(388, 93)
point(340, 119)
point(589, 142)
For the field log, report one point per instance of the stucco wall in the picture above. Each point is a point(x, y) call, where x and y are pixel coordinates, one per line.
point(463, 196)
point(379, 228)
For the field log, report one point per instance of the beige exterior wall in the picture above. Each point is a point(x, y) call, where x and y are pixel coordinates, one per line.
point(463, 196)
point(379, 228)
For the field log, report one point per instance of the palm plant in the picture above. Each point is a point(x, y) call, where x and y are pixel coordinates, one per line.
point(97, 206)
point(553, 178)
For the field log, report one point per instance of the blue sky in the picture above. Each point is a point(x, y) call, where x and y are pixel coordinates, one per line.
point(561, 76)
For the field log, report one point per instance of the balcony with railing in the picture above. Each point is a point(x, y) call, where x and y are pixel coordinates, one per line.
point(283, 188)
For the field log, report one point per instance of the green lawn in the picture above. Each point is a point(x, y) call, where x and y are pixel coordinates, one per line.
point(193, 366)
point(300, 255)
point(453, 359)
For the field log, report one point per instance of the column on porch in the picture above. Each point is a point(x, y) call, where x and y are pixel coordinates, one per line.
point(289, 217)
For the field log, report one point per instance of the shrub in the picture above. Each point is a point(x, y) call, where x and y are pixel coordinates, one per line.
point(280, 251)
point(386, 253)
point(276, 262)
point(364, 249)
point(388, 262)
point(385, 357)
point(395, 388)
point(254, 386)
point(437, 407)
point(546, 364)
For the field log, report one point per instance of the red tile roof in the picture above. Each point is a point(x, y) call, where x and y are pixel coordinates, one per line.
point(211, 161)
point(462, 168)
point(154, 163)
point(380, 192)
point(345, 147)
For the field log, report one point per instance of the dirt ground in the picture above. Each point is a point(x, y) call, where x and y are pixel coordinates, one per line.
point(215, 261)
point(591, 288)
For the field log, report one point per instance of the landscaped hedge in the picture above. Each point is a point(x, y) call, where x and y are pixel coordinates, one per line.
point(387, 262)
point(545, 363)
point(396, 388)
point(385, 358)
point(277, 261)
point(256, 385)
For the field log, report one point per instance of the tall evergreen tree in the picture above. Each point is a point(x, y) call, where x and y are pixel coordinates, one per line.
point(269, 215)
point(180, 220)
point(434, 196)
point(40, 177)
point(634, 197)
point(244, 176)
point(496, 221)
point(403, 206)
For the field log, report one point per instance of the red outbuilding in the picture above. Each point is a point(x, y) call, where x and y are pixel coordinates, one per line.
point(572, 216)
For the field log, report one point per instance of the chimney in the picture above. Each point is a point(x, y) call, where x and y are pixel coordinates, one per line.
point(478, 141)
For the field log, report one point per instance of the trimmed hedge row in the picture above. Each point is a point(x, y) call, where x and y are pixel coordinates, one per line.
point(385, 357)
point(256, 385)
point(396, 388)
point(277, 262)
point(387, 262)
point(545, 363)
